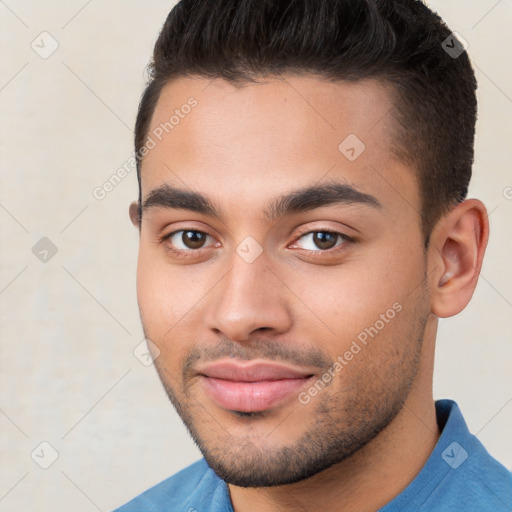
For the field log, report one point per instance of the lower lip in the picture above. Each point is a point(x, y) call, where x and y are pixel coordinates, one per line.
point(251, 396)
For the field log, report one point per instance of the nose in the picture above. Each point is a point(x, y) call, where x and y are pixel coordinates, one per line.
point(249, 298)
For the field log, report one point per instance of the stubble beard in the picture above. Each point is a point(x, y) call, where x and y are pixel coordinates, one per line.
point(344, 422)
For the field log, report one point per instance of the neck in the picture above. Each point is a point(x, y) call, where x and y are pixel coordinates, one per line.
point(375, 474)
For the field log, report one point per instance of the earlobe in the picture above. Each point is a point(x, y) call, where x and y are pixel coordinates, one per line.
point(457, 249)
point(134, 213)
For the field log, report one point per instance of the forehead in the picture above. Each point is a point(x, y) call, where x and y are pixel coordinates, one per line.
point(259, 138)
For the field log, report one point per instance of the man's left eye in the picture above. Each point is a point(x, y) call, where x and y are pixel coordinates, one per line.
point(322, 240)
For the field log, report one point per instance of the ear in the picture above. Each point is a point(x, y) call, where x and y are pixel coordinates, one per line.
point(456, 251)
point(134, 214)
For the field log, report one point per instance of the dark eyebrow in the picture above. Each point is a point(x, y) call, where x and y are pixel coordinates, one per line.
point(316, 196)
point(301, 200)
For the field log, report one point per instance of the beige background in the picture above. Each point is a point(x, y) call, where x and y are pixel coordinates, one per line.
point(69, 326)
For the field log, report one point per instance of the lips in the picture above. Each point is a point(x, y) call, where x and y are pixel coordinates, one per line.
point(253, 386)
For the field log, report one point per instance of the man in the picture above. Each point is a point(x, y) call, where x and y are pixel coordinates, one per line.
point(303, 171)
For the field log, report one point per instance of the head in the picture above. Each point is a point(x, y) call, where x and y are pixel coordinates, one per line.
point(305, 210)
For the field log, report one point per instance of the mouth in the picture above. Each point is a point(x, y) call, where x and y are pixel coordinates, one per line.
point(253, 386)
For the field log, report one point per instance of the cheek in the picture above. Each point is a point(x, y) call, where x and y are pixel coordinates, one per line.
point(346, 296)
point(169, 299)
point(149, 291)
point(358, 298)
point(379, 357)
point(160, 287)
point(158, 296)
point(388, 273)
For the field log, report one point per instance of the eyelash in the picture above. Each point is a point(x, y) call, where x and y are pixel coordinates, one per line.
point(191, 253)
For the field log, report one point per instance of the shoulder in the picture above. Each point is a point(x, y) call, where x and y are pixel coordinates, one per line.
point(188, 486)
point(473, 480)
point(460, 474)
point(480, 482)
point(476, 481)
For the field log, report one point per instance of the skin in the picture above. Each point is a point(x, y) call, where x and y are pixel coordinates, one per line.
point(364, 437)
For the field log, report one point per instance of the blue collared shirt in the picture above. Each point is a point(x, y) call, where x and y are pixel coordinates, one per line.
point(459, 476)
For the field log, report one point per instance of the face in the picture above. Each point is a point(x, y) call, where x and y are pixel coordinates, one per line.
point(281, 275)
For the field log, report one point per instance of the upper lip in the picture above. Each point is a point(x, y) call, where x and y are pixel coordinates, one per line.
point(251, 372)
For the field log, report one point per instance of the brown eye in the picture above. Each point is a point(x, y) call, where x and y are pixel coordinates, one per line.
point(193, 239)
point(321, 240)
point(324, 239)
point(186, 240)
